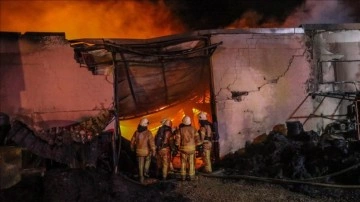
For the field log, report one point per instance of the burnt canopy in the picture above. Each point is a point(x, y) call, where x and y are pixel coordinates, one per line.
point(149, 75)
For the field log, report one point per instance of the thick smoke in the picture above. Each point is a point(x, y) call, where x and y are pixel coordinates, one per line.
point(214, 14)
point(324, 12)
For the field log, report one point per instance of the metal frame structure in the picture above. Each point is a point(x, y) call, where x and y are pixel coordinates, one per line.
point(353, 97)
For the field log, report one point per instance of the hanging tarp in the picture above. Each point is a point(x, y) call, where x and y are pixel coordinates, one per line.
point(151, 75)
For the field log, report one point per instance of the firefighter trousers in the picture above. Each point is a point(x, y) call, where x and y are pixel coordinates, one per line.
point(164, 161)
point(187, 159)
point(144, 165)
point(207, 160)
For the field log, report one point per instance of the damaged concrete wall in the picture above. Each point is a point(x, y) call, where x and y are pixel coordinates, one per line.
point(41, 82)
point(259, 80)
point(261, 76)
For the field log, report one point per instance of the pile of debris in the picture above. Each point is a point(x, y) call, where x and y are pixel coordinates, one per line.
point(298, 155)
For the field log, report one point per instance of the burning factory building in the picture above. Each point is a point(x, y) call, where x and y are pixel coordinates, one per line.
point(250, 82)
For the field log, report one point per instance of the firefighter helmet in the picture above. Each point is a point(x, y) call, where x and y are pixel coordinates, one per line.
point(144, 122)
point(168, 123)
point(186, 120)
point(202, 116)
point(163, 121)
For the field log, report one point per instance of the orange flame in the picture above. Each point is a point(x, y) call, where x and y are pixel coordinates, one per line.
point(253, 19)
point(89, 19)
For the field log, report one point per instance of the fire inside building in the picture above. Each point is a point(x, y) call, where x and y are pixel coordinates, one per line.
point(283, 104)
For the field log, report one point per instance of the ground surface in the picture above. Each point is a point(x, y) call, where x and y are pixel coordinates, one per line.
point(91, 185)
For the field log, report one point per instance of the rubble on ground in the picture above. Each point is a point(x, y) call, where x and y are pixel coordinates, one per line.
point(92, 185)
point(300, 155)
point(292, 154)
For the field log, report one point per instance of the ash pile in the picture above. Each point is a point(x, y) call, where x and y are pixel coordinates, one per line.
point(292, 153)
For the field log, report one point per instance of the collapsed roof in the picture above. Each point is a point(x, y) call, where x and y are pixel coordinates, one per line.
point(150, 75)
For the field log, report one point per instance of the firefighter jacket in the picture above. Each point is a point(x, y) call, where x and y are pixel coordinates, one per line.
point(143, 143)
point(164, 138)
point(187, 138)
point(205, 133)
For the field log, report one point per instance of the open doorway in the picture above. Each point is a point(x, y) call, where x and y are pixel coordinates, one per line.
point(168, 77)
point(175, 113)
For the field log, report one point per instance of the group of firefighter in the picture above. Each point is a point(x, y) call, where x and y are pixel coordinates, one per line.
point(185, 139)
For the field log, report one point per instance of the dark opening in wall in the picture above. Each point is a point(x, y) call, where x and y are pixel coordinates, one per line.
point(236, 95)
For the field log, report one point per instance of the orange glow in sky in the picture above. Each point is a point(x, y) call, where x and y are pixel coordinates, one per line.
point(89, 18)
point(98, 19)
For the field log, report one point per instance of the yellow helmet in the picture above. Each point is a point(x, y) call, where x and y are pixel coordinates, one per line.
point(144, 122)
point(186, 120)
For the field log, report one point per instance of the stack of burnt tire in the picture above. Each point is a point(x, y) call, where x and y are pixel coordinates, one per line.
point(61, 150)
point(24, 137)
point(297, 155)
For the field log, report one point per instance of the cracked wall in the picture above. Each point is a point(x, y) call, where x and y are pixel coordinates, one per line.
point(259, 79)
point(267, 73)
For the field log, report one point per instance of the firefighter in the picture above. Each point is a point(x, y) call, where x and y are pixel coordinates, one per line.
point(142, 142)
point(187, 138)
point(206, 136)
point(173, 151)
point(164, 143)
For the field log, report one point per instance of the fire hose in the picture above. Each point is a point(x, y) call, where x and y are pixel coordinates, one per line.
point(273, 180)
point(333, 174)
point(280, 181)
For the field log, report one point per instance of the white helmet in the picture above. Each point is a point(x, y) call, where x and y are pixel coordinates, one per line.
point(163, 121)
point(168, 123)
point(144, 122)
point(202, 116)
point(186, 120)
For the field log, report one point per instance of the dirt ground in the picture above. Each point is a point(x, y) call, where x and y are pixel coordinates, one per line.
point(91, 185)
